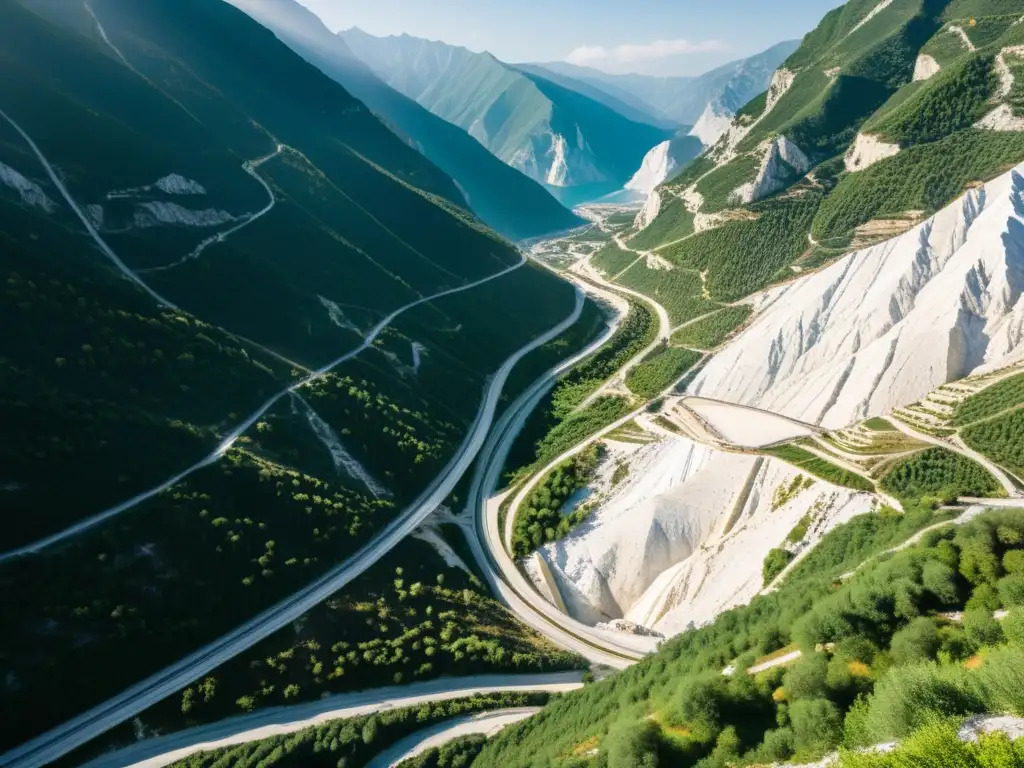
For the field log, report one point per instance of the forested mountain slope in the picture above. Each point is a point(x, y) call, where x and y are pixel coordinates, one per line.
point(682, 100)
point(229, 372)
point(578, 147)
point(862, 135)
point(507, 200)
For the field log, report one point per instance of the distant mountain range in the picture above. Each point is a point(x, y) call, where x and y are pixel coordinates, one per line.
point(681, 100)
point(510, 202)
point(578, 146)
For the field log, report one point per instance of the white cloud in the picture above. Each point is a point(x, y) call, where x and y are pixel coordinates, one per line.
point(630, 53)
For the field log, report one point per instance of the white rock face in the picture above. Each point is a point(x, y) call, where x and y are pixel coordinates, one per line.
point(1001, 119)
point(650, 211)
point(883, 326)
point(157, 212)
point(558, 171)
point(726, 569)
point(31, 193)
point(175, 184)
point(658, 517)
point(685, 536)
point(781, 82)
point(712, 123)
point(868, 150)
point(656, 167)
point(171, 184)
point(925, 67)
point(773, 175)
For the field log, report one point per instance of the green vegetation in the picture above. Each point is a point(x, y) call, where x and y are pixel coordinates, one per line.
point(540, 519)
point(672, 223)
point(742, 256)
point(636, 331)
point(937, 745)
point(679, 291)
point(819, 467)
point(713, 330)
point(941, 474)
point(921, 178)
point(800, 529)
point(657, 373)
point(612, 259)
point(457, 753)
point(1001, 440)
point(718, 186)
point(993, 400)
point(578, 426)
point(879, 424)
point(409, 618)
point(775, 562)
point(359, 739)
point(955, 100)
point(1016, 97)
point(891, 665)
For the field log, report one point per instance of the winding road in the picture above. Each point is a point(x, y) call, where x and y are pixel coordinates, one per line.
point(484, 723)
point(249, 166)
point(164, 750)
point(60, 740)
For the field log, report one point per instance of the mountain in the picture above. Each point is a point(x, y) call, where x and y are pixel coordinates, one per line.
point(254, 327)
point(580, 148)
point(682, 100)
point(511, 203)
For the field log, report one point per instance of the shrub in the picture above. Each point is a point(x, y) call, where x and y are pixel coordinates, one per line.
point(807, 679)
point(918, 641)
point(633, 745)
point(774, 563)
point(1000, 681)
point(909, 696)
point(817, 726)
point(1013, 627)
point(1011, 589)
point(981, 628)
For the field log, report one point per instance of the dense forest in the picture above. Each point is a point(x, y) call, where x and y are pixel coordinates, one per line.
point(891, 662)
point(658, 372)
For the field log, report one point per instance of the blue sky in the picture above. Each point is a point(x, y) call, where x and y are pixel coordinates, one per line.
point(666, 37)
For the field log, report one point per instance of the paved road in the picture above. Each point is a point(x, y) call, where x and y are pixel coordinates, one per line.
point(77, 731)
point(486, 723)
point(506, 582)
point(164, 750)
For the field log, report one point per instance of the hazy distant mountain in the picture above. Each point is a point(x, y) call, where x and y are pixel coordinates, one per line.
point(579, 146)
point(510, 202)
point(683, 99)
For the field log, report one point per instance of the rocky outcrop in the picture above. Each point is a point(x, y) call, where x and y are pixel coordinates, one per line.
point(868, 150)
point(885, 325)
point(782, 80)
point(30, 193)
point(713, 122)
point(155, 213)
point(782, 158)
point(650, 211)
point(658, 165)
point(925, 67)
